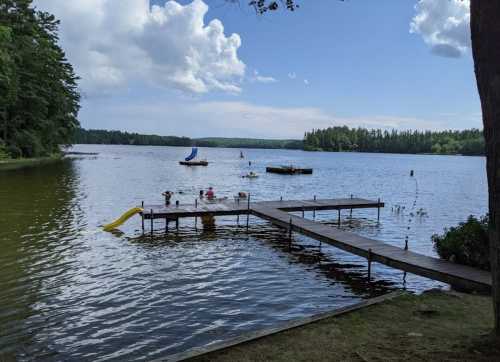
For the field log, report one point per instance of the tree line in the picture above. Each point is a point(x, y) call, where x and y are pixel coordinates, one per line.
point(39, 99)
point(93, 136)
point(466, 142)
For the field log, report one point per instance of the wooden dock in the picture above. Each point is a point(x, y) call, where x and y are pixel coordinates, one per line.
point(276, 212)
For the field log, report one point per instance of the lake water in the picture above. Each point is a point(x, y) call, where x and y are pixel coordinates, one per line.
point(69, 291)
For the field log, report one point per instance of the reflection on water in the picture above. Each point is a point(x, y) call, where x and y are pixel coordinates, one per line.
point(72, 292)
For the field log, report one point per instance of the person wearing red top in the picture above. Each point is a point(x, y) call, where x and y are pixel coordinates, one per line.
point(210, 193)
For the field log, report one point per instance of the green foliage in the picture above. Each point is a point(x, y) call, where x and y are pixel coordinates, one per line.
point(467, 142)
point(93, 136)
point(39, 100)
point(467, 244)
point(248, 143)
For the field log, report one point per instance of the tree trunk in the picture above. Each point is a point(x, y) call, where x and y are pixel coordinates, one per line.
point(485, 35)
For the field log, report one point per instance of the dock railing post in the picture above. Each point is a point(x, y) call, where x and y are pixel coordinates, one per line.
point(248, 211)
point(378, 210)
point(406, 242)
point(314, 210)
point(369, 264)
point(142, 216)
point(350, 212)
point(303, 211)
point(152, 220)
point(196, 217)
point(339, 218)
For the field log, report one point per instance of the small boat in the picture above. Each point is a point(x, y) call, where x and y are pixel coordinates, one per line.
point(289, 170)
point(251, 174)
point(191, 161)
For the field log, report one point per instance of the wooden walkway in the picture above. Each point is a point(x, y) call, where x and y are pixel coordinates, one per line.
point(235, 207)
point(374, 251)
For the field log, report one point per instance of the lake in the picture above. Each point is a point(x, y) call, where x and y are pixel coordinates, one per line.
point(70, 291)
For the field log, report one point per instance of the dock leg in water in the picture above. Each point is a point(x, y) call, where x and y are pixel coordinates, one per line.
point(369, 264)
point(152, 220)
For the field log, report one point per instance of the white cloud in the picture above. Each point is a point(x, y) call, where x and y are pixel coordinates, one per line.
point(306, 82)
point(292, 75)
point(262, 79)
point(444, 25)
point(113, 43)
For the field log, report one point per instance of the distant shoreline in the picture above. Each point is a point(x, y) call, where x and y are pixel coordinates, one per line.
point(275, 148)
point(105, 137)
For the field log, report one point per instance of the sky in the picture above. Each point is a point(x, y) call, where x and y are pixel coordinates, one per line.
point(201, 68)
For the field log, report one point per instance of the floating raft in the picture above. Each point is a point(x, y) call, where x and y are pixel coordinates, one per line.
point(194, 163)
point(289, 170)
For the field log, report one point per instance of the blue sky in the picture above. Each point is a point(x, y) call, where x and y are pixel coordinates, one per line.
point(329, 63)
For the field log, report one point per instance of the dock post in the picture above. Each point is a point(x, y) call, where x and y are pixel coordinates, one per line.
point(248, 210)
point(142, 216)
point(281, 198)
point(339, 218)
point(350, 212)
point(314, 210)
point(406, 242)
point(152, 220)
point(166, 225)
point(378, 210)
point(290, 234)
point(369, 264)
point(303, 211)
point(196, 217)
point(238, 219)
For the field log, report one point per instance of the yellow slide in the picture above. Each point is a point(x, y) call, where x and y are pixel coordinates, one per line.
point(122, 219)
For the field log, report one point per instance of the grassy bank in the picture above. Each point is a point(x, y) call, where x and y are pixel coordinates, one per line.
point(435, 326)
point(15, 164)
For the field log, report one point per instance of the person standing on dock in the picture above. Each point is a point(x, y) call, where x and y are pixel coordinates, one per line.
point(210, 193)
point(168, 196)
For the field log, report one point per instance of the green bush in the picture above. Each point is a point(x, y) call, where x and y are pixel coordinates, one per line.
point(4, 154)
point(467, 243)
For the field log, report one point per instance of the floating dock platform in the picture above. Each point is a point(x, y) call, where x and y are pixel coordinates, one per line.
point(290, 170)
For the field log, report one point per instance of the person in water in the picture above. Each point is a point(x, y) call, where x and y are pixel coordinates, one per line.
point(168, 196)
point(210, 193)
point(201, 194)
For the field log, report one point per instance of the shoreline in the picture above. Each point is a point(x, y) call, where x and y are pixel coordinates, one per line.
point(17, 164)
point(435, 325)
point(280, 148)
